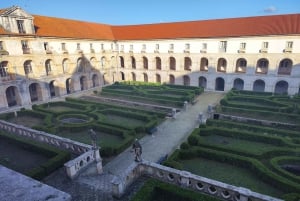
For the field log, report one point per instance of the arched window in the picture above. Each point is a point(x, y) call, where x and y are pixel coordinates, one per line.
point(262, 66)
point(204, 64)
point(122, 63)
point(27, 67)
point(158, 63)
point(172, 61)
point(222, 65)
point(171, 79)
point(158, 78)
point(145, 63)
point(133, 63)
point(187, 63)
point(48, 66)
point(285, 67)
point(4, 69)
point(241, 65)
point(259, 86)
point(186, 80)
point(281, 87)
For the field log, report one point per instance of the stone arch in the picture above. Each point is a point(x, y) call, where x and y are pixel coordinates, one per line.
point(241, 65)
point(133, 62)
point(83, 83)
point(35, 92)
point(186, 80)
point(259, 85)
point(281, 87)
point(145, 63)
point(171, 79)
point(158, 63)
point(133, 76)
point(12, 96)
point(69, 85)
point(238, 84)
point(204, 64)
point(262, 66)
point(187, 63)
point(122, 76)
point(222, 65)
point(121, 60)
point(202, 82)
point(145, 77)
point(220, 84)
point(53, 89)
point(172, 63)
point(158, 78)
point(95, 80)
point(285, 67)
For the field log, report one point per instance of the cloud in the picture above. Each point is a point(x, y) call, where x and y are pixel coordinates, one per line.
point(270, 9)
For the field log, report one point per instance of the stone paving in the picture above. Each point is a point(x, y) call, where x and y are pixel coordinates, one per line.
point(170, 134)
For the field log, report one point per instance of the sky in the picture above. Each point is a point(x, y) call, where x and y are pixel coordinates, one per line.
point(127, 12)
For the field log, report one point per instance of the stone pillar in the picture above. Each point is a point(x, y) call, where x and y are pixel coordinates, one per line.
point(98, 160)
point(174, 113)
point(185, 105)
point(185, 178)
point(117, 187)
point(71, 172)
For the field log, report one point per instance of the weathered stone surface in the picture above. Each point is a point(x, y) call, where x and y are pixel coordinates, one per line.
point(17, 187)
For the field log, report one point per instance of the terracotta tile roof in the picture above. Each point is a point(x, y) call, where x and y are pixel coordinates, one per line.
point(58, 27)
point(232, 27)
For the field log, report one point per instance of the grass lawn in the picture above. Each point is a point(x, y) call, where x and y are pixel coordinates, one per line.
point(116, 119)
point(59, 108)
point(103, 139)
point(229, 174)
point(26, 121)
point(238, 144)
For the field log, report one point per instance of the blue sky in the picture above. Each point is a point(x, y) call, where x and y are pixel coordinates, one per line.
point(124, 12)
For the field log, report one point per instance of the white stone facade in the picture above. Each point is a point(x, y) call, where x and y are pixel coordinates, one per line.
point(35, 68)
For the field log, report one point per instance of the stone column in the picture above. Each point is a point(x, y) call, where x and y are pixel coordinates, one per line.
point(98, 160)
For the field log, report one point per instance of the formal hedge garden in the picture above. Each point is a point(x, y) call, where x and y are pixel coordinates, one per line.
point(155, 93)
point(270, 154)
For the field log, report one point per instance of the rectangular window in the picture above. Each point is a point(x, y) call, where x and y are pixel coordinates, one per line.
point(46, 46)
point(187, 46)
point(223, 46)
point(157, 46)
point(102, 46)
point(144, 47)
point(78, 46)
point(131, 47)
point(91, 46)
point(1, 45)
point(204, 46)
point(242, 46)
point(24, 44)
point(20, 24)
point(171, 46)
point(63, 46)
point(265, 45)
point(289, 44)
point(3, 69)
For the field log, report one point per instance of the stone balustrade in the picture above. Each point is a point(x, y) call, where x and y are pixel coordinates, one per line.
point(87, 154)
point(186, 180)
point(41, 136)
point(73, 167)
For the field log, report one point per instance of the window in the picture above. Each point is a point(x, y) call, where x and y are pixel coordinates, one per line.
point(187, 46)
point(265, 45)
point(171, 47)
point(46, 46)
point(24, 44)
point(242, 46)
point(3, 69)
point(27, 67)
point(204, 46)
point(157, 46)
point(223, 46)
point(102, 46)
point(63, 46)
point(78, 46)
point(91, 46)
point(144, 47)
point(1, 45)
point(289, 44)
point(131, 48)
point(48, 67)
point(20, 24)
